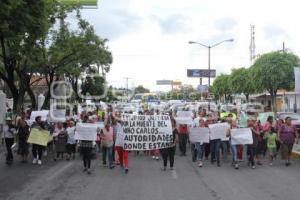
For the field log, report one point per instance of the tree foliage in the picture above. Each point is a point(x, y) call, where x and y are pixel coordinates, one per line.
point(274, 71)
point(222, 86)
point(241, 82)
point(36, 40)
point(141, 89)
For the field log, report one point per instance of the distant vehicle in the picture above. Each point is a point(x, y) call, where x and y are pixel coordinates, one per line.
point(295, 118)
point(137, 98)
point(150, 98)
point(145, 98)
point(252, 108)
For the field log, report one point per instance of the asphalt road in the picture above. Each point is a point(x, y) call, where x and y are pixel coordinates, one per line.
point(65, 180)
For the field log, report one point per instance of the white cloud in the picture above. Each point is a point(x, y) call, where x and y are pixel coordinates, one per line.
point(149, 38)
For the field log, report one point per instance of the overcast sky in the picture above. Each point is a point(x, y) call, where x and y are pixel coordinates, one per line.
point(149, 38)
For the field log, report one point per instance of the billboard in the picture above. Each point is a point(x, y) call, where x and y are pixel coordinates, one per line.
point(79, 2)
point(201, 73)
point(164, 82)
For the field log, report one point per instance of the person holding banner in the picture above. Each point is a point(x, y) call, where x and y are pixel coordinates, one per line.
point(232, 146)
point(170, 152)
point(71, 143)
point(200, 145)
point(37, 150)
point(251, 148)
point(287, 135)
point(119, 145)
point(86, 147)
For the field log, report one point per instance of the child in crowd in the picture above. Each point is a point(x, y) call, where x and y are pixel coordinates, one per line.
point(271, 138)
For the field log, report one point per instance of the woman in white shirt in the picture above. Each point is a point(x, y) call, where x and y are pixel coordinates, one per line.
point(9, 132)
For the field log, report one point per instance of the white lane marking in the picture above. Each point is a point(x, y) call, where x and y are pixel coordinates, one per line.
point(174, 174)
point(59, 171)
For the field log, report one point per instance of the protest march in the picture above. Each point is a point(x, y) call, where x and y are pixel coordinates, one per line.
point(158, 134)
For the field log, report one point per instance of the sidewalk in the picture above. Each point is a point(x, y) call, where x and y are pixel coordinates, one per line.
point(296, 151)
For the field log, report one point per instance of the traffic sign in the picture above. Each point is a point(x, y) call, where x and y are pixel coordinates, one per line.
point(201, 73)
point(164, 82)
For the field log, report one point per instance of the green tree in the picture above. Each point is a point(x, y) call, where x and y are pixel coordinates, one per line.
point(274, 71)
point(22, 24)
point(241, 82)
point(221, 87)
point(141, 89)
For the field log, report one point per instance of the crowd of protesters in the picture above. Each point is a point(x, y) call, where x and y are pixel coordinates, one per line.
point(269, 139)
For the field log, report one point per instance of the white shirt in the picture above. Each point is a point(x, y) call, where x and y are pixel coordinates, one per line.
point(9, 132)
point(71, 134)
point(119, 135)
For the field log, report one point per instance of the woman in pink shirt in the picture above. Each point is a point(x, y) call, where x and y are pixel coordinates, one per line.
point(107, 143)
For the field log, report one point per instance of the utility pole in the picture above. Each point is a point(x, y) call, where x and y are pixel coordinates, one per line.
point(127, 95)
point(252, 44)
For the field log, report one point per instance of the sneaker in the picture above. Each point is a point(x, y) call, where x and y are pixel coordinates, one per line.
point(271, 164)
point(126, 171)
point(164, 168)
point(39, 162)
point(236, 166)
point(156, 158)
point(153, 157)
point(253, 167)
point(200, 164)
point(34, 161)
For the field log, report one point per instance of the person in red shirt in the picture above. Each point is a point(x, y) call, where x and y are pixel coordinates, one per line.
point(183, 138)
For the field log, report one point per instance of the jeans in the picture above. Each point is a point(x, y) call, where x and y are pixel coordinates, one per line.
point(107, 152)
point(199, 148)
point(194, 152)
point(251, 152)
point(168, 152)
point(37, 151)
point(223, 146)
point(9, 142)
point(182, 143)
point(234, 153)
point(215, 150)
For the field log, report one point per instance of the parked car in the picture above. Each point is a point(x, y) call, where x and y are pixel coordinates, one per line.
point(252, 108)
point(295, 118)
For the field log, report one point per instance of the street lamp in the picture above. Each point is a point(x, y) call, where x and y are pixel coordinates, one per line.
point(209, 47)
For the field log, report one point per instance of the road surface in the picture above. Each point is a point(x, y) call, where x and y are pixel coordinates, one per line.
point(65, 180)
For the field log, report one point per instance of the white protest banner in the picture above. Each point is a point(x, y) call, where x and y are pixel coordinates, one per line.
point(218, 131)
point(184, 113)
point(241, 136)
point(147, 132)
point(184, 120)
point(297, 79)
point(184, 117)
point(100, 125)
point(58, 115)
point(42, 113)
point(86, 131)
point(198, 134)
